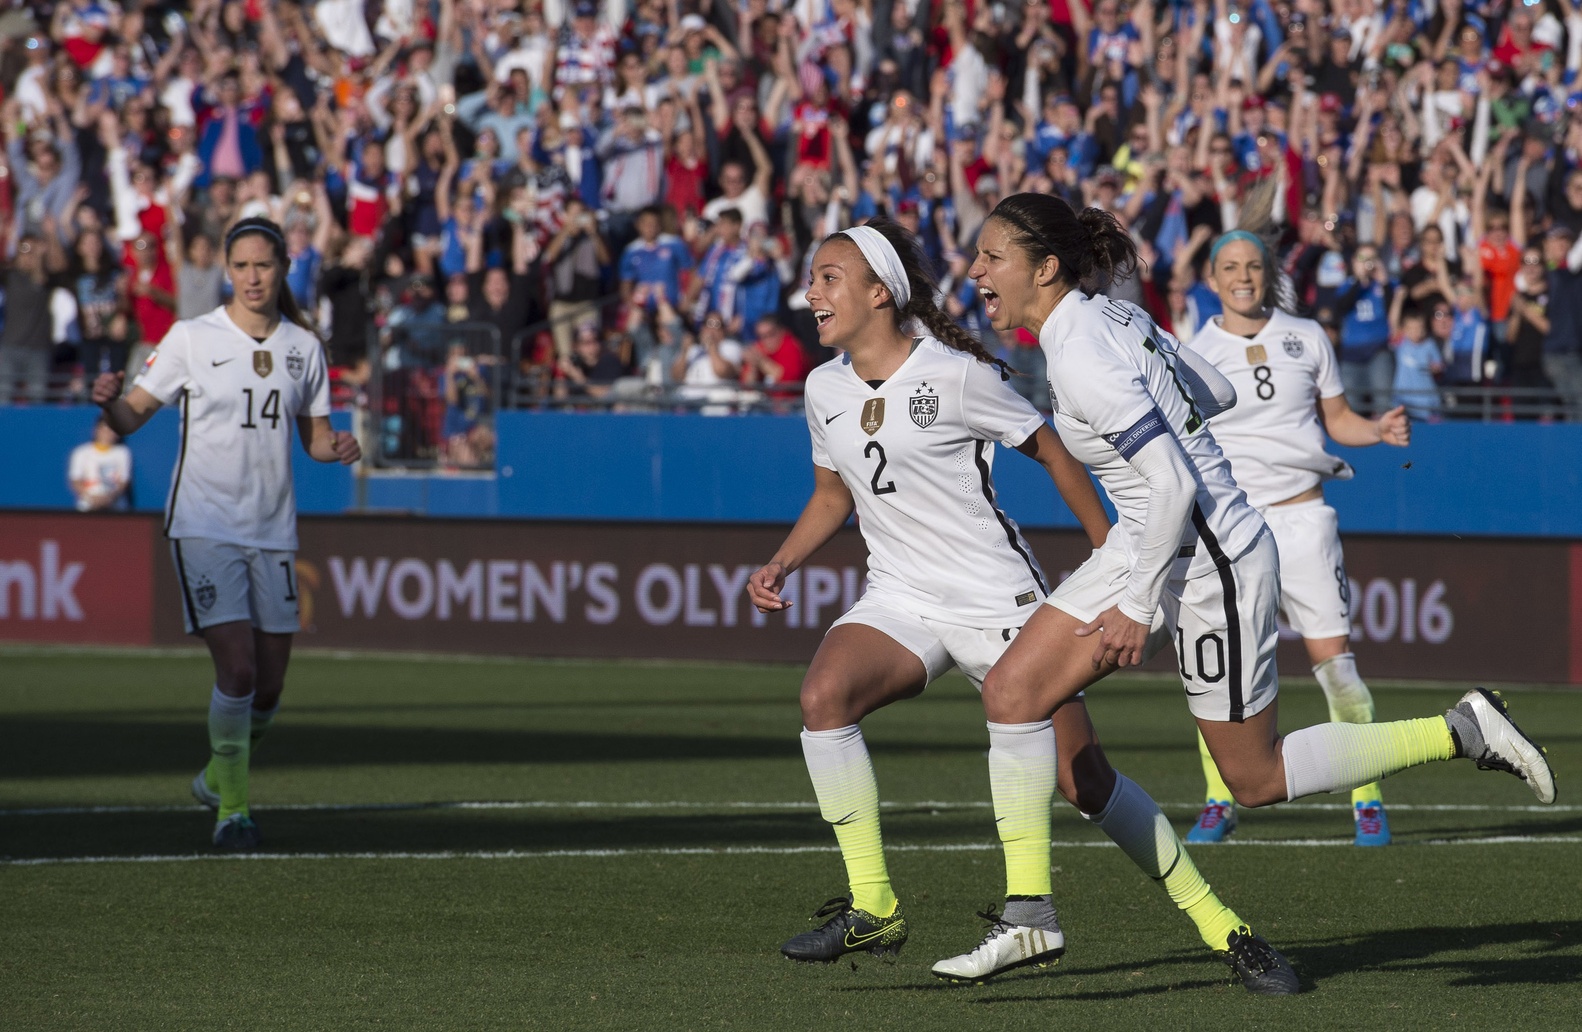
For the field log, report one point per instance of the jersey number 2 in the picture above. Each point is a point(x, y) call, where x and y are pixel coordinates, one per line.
point(270, 410)
point(867, 453)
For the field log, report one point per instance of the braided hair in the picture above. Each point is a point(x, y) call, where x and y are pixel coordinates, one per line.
point(925, 288)
point(262, 227)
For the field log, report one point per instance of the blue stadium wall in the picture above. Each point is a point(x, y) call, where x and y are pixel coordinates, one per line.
point(1502, 480)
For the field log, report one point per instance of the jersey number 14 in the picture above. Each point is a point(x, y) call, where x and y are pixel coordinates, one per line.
point(270, 409)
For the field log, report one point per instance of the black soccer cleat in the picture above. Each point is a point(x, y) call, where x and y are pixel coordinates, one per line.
point(1259, 966)
point(237, 834)
point(848, 930)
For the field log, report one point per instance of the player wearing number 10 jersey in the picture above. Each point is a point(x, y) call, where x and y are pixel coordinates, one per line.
point(1290, 394)
point(242, 374)
point(1188, 545)
point(903, 427)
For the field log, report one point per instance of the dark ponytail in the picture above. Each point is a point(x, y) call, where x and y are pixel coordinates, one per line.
point(925, 288)
point(1093, 247)
point(262, 227)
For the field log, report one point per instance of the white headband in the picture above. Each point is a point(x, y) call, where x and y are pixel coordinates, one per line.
point(884, 261)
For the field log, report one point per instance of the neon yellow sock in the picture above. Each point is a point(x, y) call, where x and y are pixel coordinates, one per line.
point(262, 720)
point(1134, 822)
point(1022, 781)
point(230, 724)
point(1332, 757)
point(1217, 791)
point(848, 798)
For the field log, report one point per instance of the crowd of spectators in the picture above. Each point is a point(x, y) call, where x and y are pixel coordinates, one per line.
point(625, 194)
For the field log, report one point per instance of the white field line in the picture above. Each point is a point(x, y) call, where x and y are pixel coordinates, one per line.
point(706, 806)
point(555, 854)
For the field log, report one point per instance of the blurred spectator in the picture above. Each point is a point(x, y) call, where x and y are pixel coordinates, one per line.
point(468, 431)
point(1563, 341)
point(200, 281)
point(99, 283)
point(775, 357)
point(655, 261)
point(575, 256)
point(100, 472)
point(1417, 364)
point(591, 369)
point(709, 369)
point(26, 345)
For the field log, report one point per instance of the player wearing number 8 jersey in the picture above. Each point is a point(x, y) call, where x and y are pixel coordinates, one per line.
point(903, 427)
point(1283, 369)
point(242, 374)
point(1187, 544)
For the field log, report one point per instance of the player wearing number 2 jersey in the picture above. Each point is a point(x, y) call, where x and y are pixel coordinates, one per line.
point(903, 427)
point(1283, 369)
point(242, 374)
point(1187, 544)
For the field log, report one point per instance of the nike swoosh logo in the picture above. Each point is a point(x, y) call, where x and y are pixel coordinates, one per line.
point(853, 941)
point(844, 820)
point(836, 416)
point(1208, 691)
point(227, 360)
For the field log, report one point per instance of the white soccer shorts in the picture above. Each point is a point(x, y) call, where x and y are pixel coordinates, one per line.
point(1315, 596)
point(1222, 623)
point(939, 645)
point(224, 583)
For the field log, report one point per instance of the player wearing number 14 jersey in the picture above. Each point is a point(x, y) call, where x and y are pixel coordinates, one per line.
point(1289, 394)
point(242, 375)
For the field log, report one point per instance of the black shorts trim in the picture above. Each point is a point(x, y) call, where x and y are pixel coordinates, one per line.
point(1227, 581)
point(186, 593)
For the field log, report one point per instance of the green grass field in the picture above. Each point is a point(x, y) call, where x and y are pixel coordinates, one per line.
point(652, 839)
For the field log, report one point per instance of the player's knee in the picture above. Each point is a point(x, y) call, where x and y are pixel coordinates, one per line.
point(825, 699)
point(1000, 686)
point(238, 678)
point(1254, 788)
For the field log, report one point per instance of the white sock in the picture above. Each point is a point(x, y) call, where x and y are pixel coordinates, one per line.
point(1022, 780)
point(848, 798)
point(1134, 822)
point(1349, 700)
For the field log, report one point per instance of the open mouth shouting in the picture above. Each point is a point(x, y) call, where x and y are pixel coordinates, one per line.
point(991, 302)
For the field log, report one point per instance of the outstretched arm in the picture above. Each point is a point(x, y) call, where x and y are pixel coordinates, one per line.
point(1071, 480)
point(1346, 426)
point(826, 512)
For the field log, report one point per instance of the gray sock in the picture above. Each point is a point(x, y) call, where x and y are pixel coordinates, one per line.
point(1038, 912)
point(1465, 730)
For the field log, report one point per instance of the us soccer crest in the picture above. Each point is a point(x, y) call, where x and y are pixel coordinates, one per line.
point(924, 407)
point(263, 363)
point(872, 416)
point(295, 363)
point(205, 594)
point(1293, 345)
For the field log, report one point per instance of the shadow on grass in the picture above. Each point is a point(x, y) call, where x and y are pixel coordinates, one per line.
point(1551, 955)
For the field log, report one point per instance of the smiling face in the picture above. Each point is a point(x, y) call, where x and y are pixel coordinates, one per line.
point(844, 294)
point(1239, 278)
point(256, 273)
point(1006, 279)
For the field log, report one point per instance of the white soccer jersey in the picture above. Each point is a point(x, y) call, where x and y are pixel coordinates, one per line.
point(239, 399)
point(917, 453)
point(1273, 437)
point(1113, 384)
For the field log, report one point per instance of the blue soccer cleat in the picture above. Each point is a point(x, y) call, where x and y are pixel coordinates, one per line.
point(1373, 827)
point(1217, 820)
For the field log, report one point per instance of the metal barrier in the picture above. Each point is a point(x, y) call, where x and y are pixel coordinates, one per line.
point(1491, 404)
point(433, 393)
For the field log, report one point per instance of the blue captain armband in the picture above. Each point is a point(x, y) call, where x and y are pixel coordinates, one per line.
point(1130, 440)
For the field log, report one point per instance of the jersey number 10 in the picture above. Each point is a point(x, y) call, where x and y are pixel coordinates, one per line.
point(269, 411)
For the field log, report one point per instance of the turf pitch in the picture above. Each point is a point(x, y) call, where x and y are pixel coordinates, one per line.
point(646, 837)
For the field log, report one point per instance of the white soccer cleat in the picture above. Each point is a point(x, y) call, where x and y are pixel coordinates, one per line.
point(1504, 746)
point(1004, 948)
point(203, 793)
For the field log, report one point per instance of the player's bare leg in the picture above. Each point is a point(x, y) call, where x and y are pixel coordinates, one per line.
point(857, 670)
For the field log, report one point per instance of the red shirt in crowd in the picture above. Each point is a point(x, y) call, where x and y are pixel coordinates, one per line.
point(1500, 265)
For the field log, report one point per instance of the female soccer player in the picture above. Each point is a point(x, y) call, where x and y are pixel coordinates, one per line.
point(242, 374)
point(1187, 544)
point(1288, 395)
point(903, 426)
